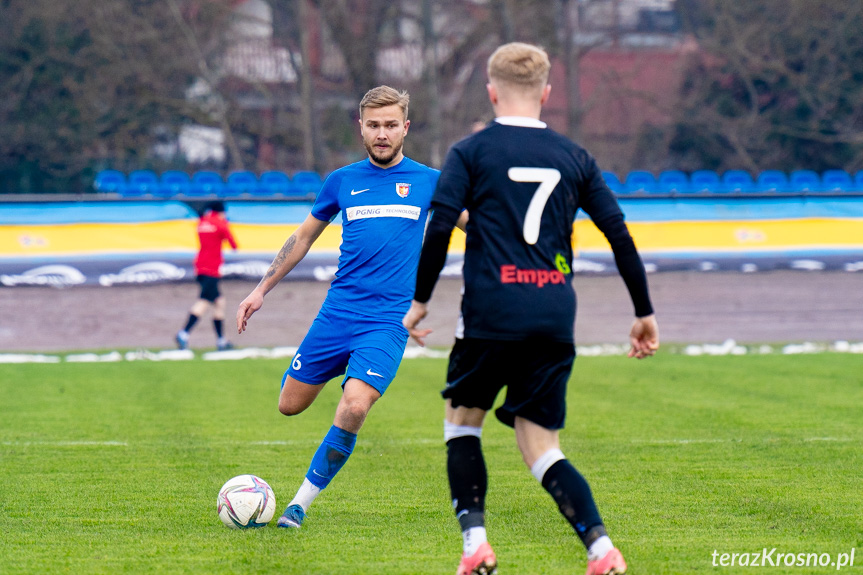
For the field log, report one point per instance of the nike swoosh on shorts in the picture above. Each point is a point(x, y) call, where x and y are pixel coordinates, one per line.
point(370, 372)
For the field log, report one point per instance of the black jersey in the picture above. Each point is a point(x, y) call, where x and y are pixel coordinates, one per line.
point(522, 187)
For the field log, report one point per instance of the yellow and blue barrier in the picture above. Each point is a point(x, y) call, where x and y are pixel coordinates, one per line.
point(112, 243)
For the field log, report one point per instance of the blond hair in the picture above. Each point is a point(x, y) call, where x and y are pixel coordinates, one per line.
point(519, 65)
point(384, 96)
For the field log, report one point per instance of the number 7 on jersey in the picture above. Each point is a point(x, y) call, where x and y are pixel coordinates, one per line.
point(547, 179)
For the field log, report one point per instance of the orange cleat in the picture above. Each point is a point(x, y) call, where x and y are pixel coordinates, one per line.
point(611, 564)
point(483, 562)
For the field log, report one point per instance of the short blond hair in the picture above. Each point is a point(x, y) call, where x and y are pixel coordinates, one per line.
point(384, 96)
point(519, 65)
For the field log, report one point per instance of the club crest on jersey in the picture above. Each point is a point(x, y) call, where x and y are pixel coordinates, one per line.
point(403, 190)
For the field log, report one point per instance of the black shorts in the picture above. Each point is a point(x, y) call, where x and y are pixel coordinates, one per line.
point(535, 373)
point(209, 287)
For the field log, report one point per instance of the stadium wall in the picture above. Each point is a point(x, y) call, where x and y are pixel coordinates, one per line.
point(111, 243)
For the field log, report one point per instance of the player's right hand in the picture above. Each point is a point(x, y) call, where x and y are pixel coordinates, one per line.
point(412, 318)
point(248, 306)
point(643, 337)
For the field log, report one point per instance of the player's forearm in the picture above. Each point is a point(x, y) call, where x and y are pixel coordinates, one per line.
point(628, 261)
point(295, 249)
point(632, 271)
point(433, 255)
point(285, 261)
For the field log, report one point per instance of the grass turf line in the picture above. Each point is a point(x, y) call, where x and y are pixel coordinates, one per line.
point(114, 468)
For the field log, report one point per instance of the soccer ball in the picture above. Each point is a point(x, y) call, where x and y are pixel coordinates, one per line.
point(245, 502)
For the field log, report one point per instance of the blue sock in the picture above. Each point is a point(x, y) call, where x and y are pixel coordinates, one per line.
point(331, 456)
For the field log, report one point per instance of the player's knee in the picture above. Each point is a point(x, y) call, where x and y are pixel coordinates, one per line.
point(351, 413)
point(357, 408)
point(200, 307)
point(219, 306)
point(289, 406)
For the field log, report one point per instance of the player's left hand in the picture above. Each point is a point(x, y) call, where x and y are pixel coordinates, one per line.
point(248, 306)
point(643, 337)
point(415, 314)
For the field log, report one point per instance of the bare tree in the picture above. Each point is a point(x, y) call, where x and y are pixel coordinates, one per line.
point(778, 87)
point(431, 84)
point(576, 44)
point(219, 107)
point(356, 28)
point(89, 84)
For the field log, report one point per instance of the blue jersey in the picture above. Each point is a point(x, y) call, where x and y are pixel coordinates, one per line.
point(384, 212)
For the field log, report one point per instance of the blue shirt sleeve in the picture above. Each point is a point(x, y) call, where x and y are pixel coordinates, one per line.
point(434, 176)
point(327, 203)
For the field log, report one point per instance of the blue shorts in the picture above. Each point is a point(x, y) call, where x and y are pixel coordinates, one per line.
point(338, 343)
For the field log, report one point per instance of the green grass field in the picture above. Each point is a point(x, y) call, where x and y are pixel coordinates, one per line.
point(114, 468)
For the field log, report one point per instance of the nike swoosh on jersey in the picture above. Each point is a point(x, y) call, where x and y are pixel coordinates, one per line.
point(354, 193)
point(370, 372)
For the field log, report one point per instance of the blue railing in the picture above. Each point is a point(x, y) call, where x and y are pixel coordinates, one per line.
point(709, 182)
point(208, 184)
point(305, 185)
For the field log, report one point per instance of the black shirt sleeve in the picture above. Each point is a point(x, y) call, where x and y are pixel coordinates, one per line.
point(602, 207)
point(433, 255)
point(448, 201)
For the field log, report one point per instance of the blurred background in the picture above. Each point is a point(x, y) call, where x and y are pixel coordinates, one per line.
point(262, 85)
point(732, 133)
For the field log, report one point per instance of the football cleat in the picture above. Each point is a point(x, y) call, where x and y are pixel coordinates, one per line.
point(292, 517)
point(483, 562)
point(611, 564)
point(182, 342)
point(225, 346)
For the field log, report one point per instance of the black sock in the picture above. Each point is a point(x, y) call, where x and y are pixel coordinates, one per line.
point(217, 323)
point(468, 480)
point(193, 319)
point(572, 494)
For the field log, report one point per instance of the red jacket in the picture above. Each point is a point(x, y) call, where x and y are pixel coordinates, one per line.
point(212, 231)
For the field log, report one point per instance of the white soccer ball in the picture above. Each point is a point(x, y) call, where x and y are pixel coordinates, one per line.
point(246, 502)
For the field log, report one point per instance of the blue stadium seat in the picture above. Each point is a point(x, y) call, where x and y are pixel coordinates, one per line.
point(207, 183)
point(739, 181)
point(274, 183)
point(110, 181)
point(673, 182)
point(640, 182)
point(613, 182)
point(306, 184)
point(705, 181)
point(804, 181)
point(836, 181)
point(242, 182)
point(142, 182)
point(174, 182)
point(772, 181)
point(858, 181)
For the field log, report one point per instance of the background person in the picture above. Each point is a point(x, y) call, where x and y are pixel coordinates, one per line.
point(213, 231)
point(522, 184)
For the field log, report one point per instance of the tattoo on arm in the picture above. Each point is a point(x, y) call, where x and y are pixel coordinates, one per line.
point(281, 256)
